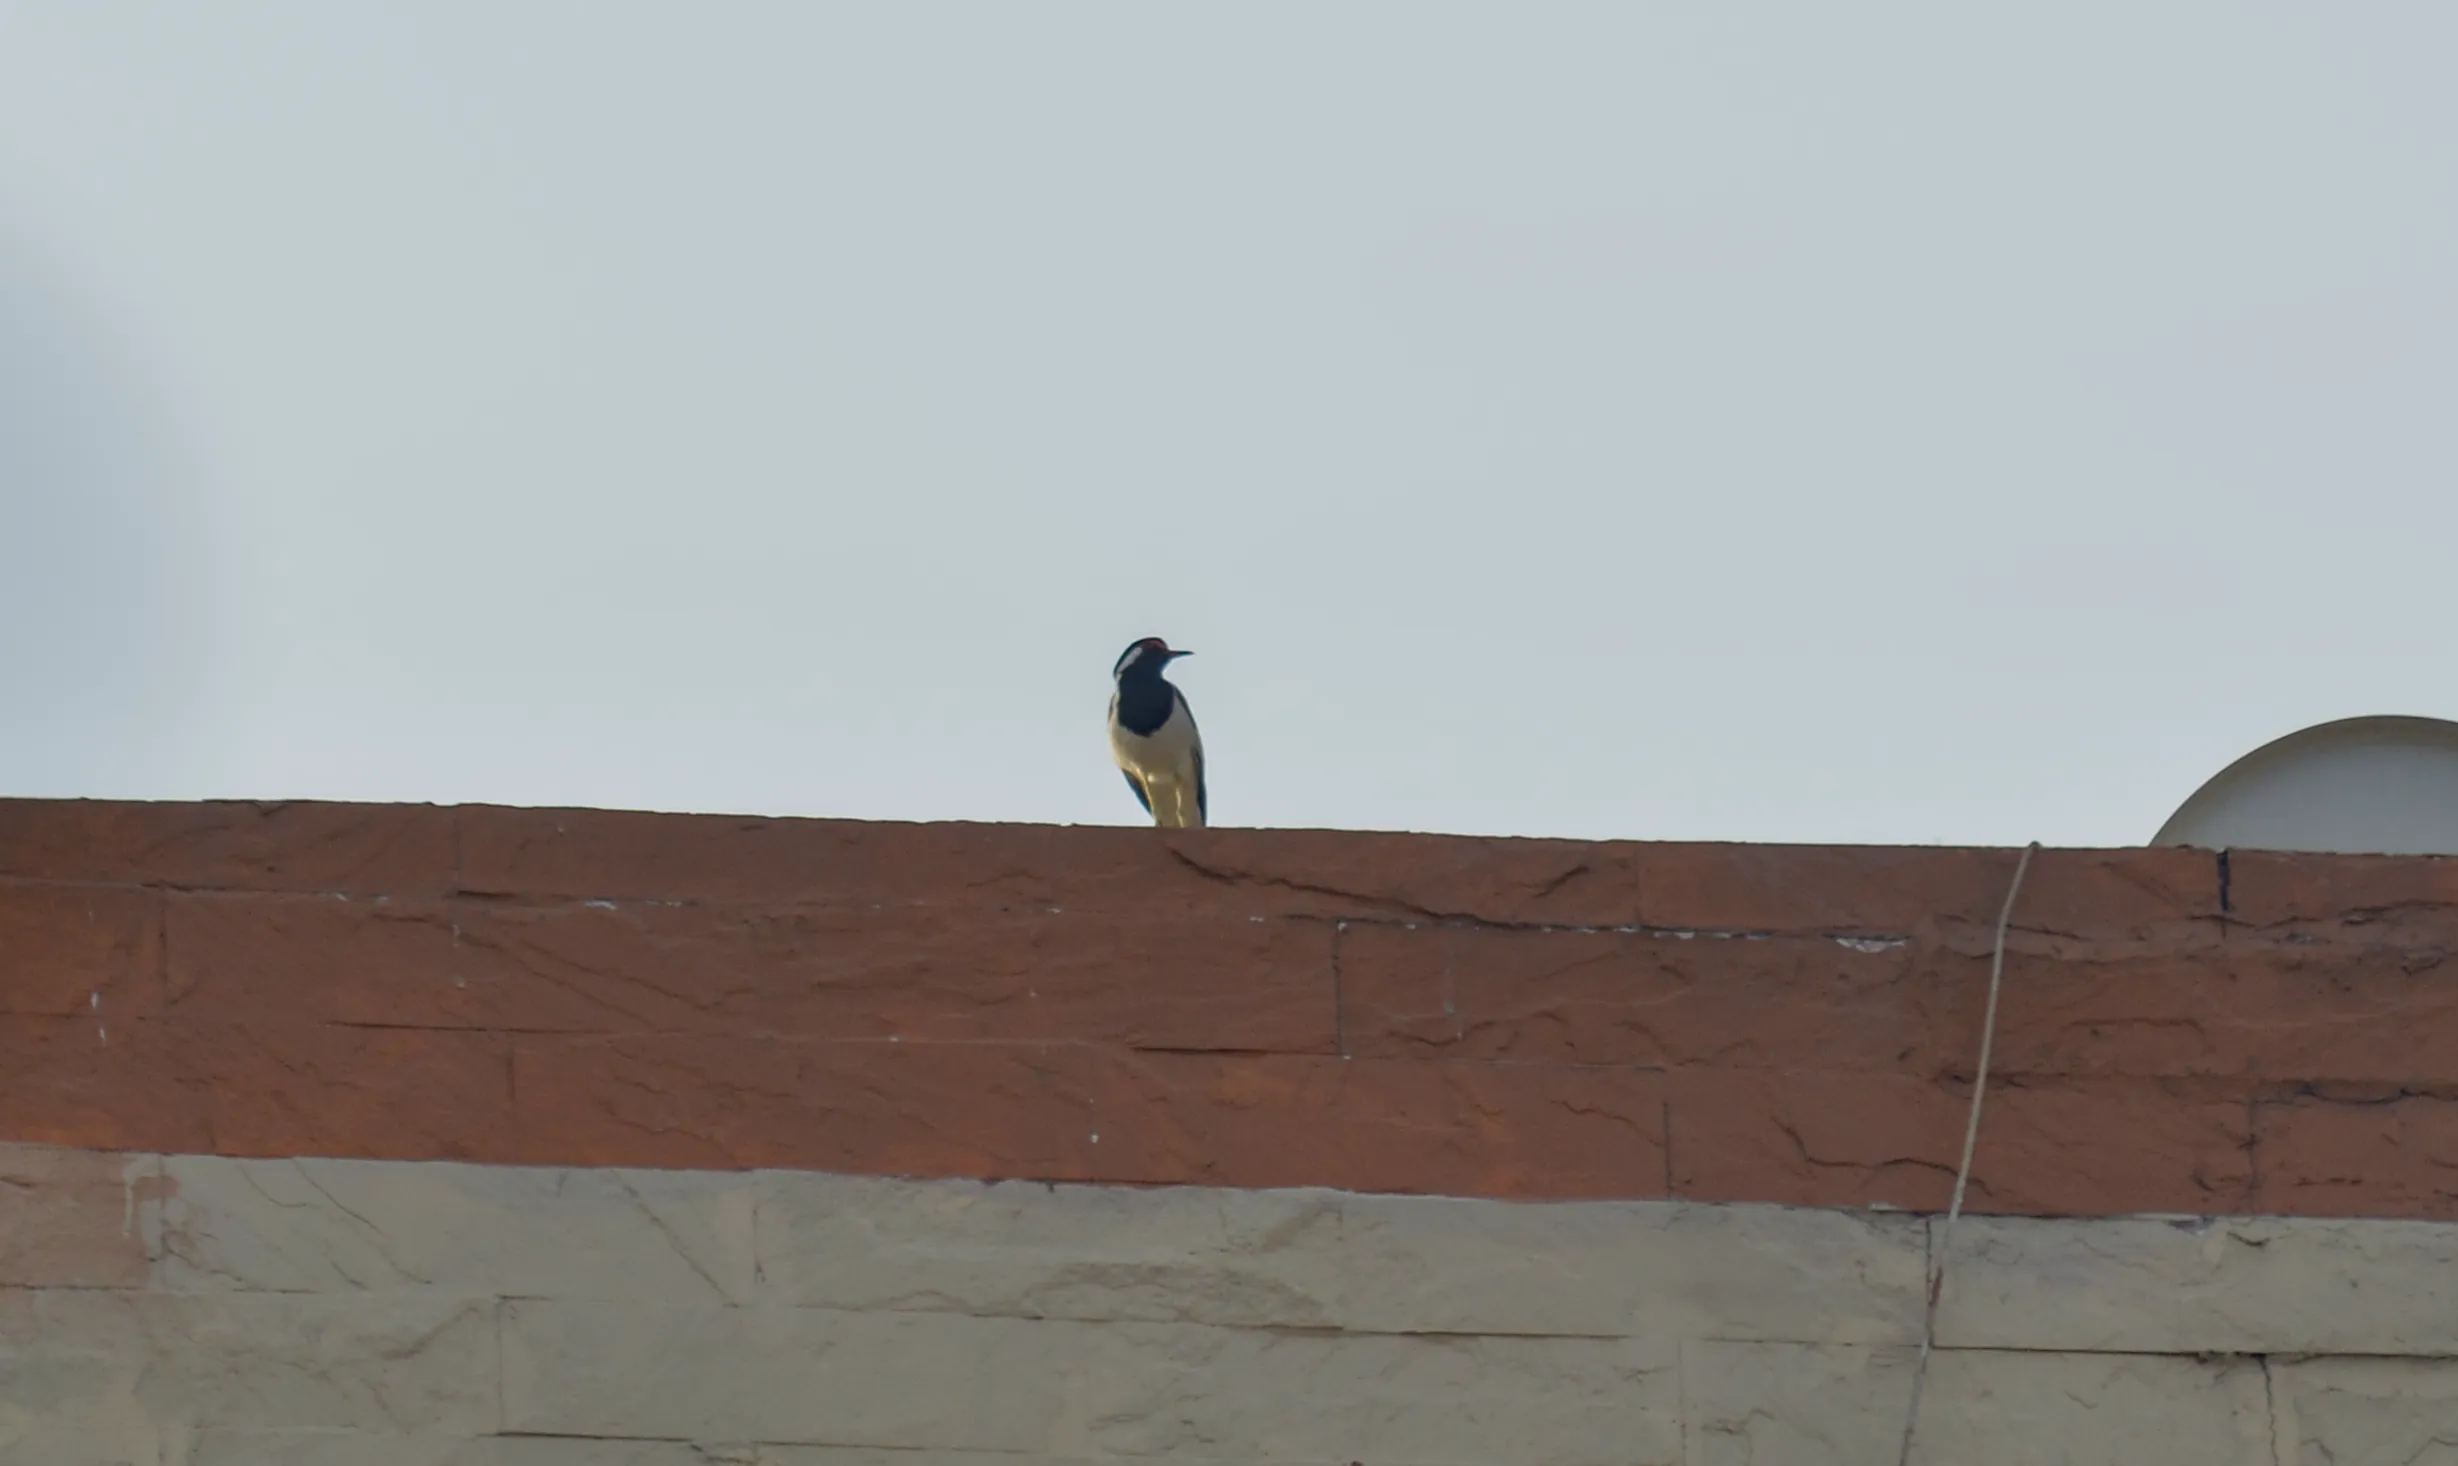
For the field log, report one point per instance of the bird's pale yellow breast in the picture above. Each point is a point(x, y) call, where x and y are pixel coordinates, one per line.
point(1166, 753)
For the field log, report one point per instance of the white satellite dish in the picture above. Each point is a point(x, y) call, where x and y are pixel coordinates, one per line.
point(2358, 786)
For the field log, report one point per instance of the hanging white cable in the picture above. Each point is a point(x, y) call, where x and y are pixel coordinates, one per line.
point(1963, 1171)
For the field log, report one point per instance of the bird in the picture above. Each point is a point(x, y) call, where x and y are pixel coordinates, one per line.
point(1153, 737)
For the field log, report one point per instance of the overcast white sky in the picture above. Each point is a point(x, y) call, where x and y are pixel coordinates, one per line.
point(1876, 422)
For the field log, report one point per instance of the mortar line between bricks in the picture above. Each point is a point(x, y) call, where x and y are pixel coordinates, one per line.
point(2065, 1350)
point(1458, 921)
point(2270, 1410)
point(1683, 1404)
point(22, 882)
point(503, 1392)
point(1339, 995)
point(1664, 1105)
point(627, 1438)
point(162, 949)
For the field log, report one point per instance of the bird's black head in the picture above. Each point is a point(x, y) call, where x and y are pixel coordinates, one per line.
point(1145, 659)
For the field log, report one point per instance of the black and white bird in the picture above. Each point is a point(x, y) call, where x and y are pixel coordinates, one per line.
point(1153, 737)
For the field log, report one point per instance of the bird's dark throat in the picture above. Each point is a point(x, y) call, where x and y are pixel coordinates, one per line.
point(1144, 704)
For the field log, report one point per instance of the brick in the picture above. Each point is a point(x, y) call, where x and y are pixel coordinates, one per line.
point(1811, 1139)
point(1774, 1404)
point(67, 1217)
point(1431, 878)
point(307, 1225)
point(368, 848)
point(1633, 998)
point(1503, 1130)
point(2378, 1157)
point(1316, 1259)
point(958, 1109)
point(1896, 890)
point(1863, 1140)
point(2249, 1008)
point(312, 1089)
point(263, 1088)
point(65, 1438)
point(622, 855)
point(1190, 982)
point(2134, 894)
point(2364, 1410)
point(932, 1383)
point(1074, 1112)
point(2101, 1148)
point(1185, 982)
point(334, 959)
point(1770, 889)
point(2202, 1285)
point(1812, 890)
point(76, 1082)
point(82, 1362)
point(2344, 893)
point(79, 951)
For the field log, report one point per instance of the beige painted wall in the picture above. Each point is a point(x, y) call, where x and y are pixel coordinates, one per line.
point(216, 1312)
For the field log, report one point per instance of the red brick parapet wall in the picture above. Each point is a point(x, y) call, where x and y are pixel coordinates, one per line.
point(1513, 1018)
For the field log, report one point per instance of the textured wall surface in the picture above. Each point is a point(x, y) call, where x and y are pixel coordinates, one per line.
point(2182, 1031)
point(221, 1312)
point(549, 1138)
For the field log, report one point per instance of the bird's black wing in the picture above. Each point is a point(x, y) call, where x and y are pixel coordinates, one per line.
point(1141, 797)
point(1203, 796)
